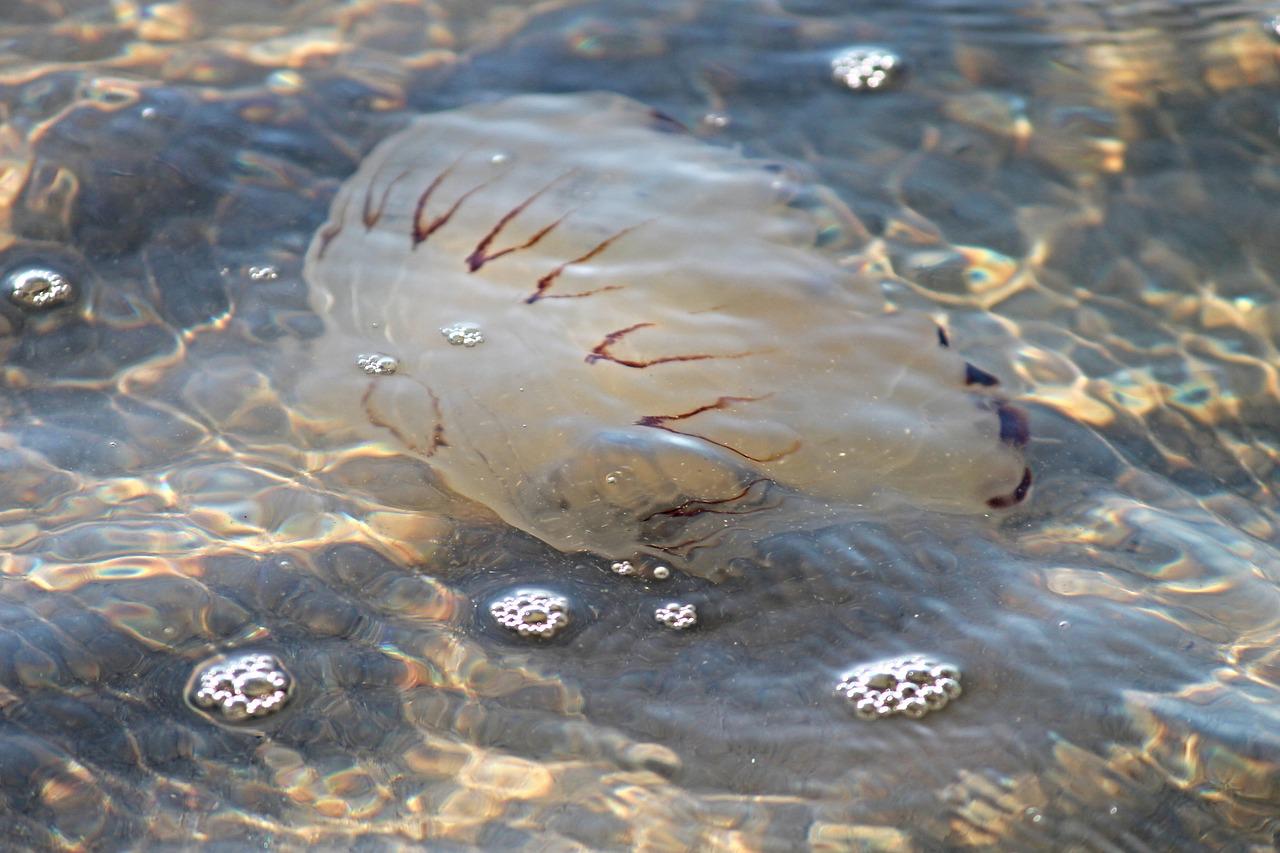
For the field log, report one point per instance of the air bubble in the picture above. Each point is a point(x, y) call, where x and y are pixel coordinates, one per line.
point(911, 686)
point(243, 687)
point(531, 613)
point(267, 273)
point(661, 573)
point(865, 68)
point(377, 364)
point(676, 615)
point(463, 334)
point(38, 289)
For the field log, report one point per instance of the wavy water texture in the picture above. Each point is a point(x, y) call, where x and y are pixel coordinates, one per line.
point(1085, 194)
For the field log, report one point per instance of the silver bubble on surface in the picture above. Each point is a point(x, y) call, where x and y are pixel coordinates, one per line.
point(377, 364)
point(37, 289)
point(531, 613)
point(866, 68)
point(912, 686)
point(243, 687)
point(676, 615)
point(463, 334)
point(263, 273)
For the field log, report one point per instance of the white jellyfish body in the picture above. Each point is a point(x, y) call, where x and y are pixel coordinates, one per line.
point(664, 353)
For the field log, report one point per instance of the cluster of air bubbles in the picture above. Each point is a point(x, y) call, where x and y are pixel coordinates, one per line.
point(37, 289)
point(865, 68)
point(912, 686)
point(531, 613)
point(263, 273)
point(240, 688)
point(463, 334)
point(676, 615)
point(627, 569)
point(377, 364)
point(716, 121)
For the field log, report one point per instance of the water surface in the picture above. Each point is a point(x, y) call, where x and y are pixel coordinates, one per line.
point(1083, 196)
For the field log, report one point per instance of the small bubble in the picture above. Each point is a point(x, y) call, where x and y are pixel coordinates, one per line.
point(148, 112)
point(285, 82)
point(866, 68)
point(717, 121)
point(1064, 624)
point(463, 334)
point(623, 567)
point(377, 364)
point(661, 572)
point(500, 158)
point(267, 273)
point(676, 615)
point(38, 289)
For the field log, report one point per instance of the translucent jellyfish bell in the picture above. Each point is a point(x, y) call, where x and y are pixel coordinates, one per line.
point(665, 355)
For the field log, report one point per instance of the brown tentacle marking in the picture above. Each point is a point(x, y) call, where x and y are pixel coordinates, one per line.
point(694, 506)
point(660, 422)
point(601, 351)
point(720, 403)
point(1014, 497)
point(549, 279)
point(420, 234)
point(330, 232)
point(773, 457)
point(477, 259)
point(683, 549)
point(437, 434)
point(369, 215)
point(480, 255)
point(579, 295)
point(425, 197)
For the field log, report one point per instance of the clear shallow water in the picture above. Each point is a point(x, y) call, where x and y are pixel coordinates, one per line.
point(1084, 196)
